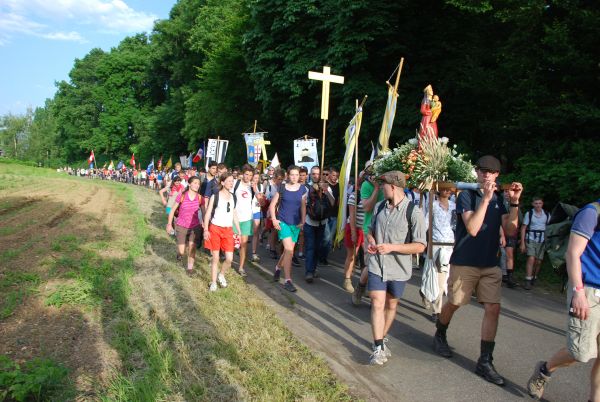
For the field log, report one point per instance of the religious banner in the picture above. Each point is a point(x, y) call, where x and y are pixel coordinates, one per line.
point(216, 149)
point(305, 153)
point(254, 146)
point(183, 160)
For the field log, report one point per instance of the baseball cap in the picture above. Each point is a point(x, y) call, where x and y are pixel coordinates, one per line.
point(489, 162)
point(394, 177)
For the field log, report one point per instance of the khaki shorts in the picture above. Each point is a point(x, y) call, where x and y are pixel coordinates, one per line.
point(535, 250)
point(583, 337)
point(486, 282)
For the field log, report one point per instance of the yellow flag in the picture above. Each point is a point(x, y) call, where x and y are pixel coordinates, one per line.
point(169, 164)
point(350, 139)
point(388, 121)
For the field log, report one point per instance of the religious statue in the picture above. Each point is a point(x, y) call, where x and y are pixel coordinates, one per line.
point(431, 107)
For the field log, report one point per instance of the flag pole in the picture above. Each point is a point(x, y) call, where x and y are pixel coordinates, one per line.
point(398, 75)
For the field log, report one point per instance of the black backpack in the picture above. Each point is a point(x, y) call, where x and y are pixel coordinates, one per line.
point(317, 207)
point(216, 202)
point(409, 211)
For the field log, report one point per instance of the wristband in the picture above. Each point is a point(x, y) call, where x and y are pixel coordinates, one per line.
point(514, 205)
point(577, 288)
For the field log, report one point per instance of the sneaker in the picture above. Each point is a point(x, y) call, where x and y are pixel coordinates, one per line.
point(386, 348)
point(179, 257)
point(255, 258)
point(537, 382)
point(377, 357)
point(295, 261)
point(273, 254)
point(347, 285)
point(222, 281)
point(359, 291)
point(277, 275)
point(324, 262)
point(434, 317)
point(242, 273)
point(289, 286)
point(212, 287)
point(440, 344)
point(316, 273)
point(527, 285)
point(309, 277)
point(533, 281)
point(301, 256)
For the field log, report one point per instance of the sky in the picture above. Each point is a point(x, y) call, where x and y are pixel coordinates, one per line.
point(40, 40)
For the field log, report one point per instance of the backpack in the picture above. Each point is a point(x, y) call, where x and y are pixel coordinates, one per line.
point(184, 193)
point(216, 202)
point(317, 208)
point(529, 215)
point(237, 184)
point(409, 210)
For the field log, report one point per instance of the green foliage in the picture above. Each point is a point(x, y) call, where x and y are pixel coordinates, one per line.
point(36, 380)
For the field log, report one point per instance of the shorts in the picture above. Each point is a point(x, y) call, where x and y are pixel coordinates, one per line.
point(257, 215)
point(512, 242)
point(268, 224)
point(288, 231)
point(536, 250)
point(221, 239)
point(486, 282)
point(394, 288)
point(360, 237)
point(583, 337)
point(245, 227)
point(187, 235)
point(168, 209)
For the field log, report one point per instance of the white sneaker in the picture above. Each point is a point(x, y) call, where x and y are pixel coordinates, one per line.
point(221, 280)
point(212, 287)
point(255, 258)
point(377, 357)
point(386, 349)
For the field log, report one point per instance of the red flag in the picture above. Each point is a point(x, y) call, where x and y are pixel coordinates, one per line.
point(132, 161)
point(92, 158)
point(198, 156)
point(160, 163)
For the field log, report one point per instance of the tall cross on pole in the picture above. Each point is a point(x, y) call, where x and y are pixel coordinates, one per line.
point(327, 78)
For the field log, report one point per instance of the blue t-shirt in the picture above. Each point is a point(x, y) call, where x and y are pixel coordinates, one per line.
point(211, 188)
point(586, 225)
point(289, 205)
point(482, 250)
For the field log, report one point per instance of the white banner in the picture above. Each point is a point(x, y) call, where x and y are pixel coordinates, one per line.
point(305, 153)
point(216, 151)
point(254, 146)
point(183, 161)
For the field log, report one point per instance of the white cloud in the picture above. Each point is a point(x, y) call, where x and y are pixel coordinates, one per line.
point(55, 20)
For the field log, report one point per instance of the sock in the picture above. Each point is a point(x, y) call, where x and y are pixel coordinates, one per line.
point(277, 268)
point(528, 278)
point(361, 285)
point(544, 370)
point(379, 342)
point(487, 347)
point(288, 280)
point(441, 328)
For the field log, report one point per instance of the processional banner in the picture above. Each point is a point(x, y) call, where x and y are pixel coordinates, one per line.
point(305, 153)
point(254, 147)
point(216, 149)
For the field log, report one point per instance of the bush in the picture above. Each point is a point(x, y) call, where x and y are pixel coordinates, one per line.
point(36, 380)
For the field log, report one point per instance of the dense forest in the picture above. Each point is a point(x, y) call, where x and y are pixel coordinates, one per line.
point(517, 78)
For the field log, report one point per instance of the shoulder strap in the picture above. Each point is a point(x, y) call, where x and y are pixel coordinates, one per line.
point(237, 184)
point(215, 203)
point(409, 212)
point(379, 209)
point(234, 200)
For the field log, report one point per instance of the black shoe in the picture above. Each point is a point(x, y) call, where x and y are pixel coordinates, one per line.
point(510, 282)
point(324, 262)
point(295, 261)
point(485, 368)
point(504, 278)
point(434, 317)
point(440, 344)
point(273, 254)
point(527, 285)
point(277, 275)
point(309, 277)
point(289, 286)
point(316, 273)
point(179, 257)
point(533, 281)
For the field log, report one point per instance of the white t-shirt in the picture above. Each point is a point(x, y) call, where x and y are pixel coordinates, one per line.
point(537, 226)
point(223, 212)
point(243, 193)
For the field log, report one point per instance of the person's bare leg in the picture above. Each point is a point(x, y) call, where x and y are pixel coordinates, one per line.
point(349, 263)
point(214, 266)
point(595, 382)
point(489, 325)
point(243, 248)
point(391, 306)
point(378, 313)
point(227, 263)
point(191, 255)
point(286, 257)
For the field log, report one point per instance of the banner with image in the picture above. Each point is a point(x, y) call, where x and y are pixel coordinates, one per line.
point(305, 153)
point(216, 149)
point(254, 147)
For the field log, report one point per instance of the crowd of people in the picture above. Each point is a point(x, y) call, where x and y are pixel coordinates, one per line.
point(475, 235)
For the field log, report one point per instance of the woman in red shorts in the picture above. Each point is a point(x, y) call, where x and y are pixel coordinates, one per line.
point(187, 226)
point(219, 219)
point(353, 238)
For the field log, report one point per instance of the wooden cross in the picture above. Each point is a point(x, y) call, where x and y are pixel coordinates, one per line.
point(327, 78)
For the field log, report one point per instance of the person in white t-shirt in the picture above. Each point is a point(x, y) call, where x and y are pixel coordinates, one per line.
point(245, 199)
point(259, 201)
point(532, 240)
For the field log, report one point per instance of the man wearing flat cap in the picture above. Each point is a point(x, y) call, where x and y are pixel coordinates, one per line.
point(396, 232)
point(474, 261)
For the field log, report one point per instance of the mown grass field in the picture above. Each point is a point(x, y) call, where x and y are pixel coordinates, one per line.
point(94, 307)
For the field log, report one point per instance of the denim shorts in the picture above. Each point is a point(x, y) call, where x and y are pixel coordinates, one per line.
point(394, 288)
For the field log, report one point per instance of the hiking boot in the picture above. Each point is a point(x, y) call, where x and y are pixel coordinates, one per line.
point(533, 281)
point(212, 287)
point(386, 348)
point(316, 273)
point(440, 344)
point(273, 254)
point(434, 317)
point(289, 286)
point(347, 285)
point(527, 285)
point(537, 382)
point(222, 281)
point(510, 282)
point(276, 275)
point(295, 261)
point(242, 273)
point(309, 277)
point(324, 262)
point(255, 258)
point(504, 278)
point(377, 357)
point(358, 293)
point(485, 368)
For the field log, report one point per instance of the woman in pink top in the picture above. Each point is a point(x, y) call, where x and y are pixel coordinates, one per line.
point(187, 226)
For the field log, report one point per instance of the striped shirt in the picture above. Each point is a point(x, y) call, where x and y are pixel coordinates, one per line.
point(360, 212)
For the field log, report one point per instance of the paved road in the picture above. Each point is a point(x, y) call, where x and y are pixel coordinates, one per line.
point(532, 327)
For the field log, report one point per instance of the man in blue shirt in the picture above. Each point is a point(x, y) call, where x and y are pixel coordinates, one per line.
point(475, 259)
point(583, 332)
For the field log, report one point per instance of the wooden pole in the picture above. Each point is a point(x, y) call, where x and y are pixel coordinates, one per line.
point(430, 231)
point(255, 122)
point(323, 146)
point(398, 75)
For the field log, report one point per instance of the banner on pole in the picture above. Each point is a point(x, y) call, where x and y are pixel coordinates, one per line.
point(216, 150)
point(305, 153)
point(183, 160)
point(254, 146)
